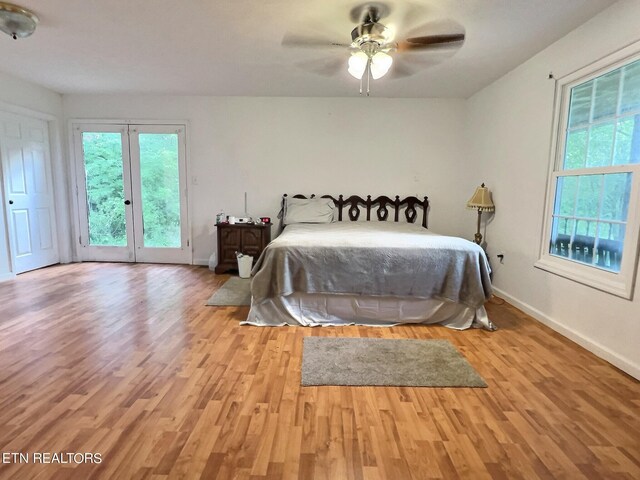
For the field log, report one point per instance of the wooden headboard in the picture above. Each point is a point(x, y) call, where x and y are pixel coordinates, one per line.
point(380, 205)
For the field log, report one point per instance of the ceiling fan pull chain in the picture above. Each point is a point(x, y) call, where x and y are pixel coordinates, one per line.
point(368, 74)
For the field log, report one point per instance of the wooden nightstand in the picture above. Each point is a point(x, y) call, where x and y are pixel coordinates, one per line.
point(248, 238)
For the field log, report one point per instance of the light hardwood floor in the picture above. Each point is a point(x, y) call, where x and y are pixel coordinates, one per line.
point(126, 361)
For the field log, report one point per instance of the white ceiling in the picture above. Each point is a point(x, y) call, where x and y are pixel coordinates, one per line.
point(234, 47)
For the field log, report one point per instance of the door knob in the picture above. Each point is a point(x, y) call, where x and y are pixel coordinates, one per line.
point(10, 202)
point(127, 202)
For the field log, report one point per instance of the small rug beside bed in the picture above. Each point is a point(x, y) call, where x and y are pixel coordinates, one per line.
point(385, 362)
point(236, 292)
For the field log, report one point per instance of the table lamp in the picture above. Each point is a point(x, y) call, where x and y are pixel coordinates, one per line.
point(482, 201)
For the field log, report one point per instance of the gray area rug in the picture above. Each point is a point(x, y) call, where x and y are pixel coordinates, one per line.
point(375, 361)
point(235, 292)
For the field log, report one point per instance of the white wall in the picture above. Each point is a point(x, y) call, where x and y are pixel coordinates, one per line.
point(509, 135)
point(271, 146)
point(19, 96)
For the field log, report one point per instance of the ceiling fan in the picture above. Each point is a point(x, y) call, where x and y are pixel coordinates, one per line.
point(373, 44)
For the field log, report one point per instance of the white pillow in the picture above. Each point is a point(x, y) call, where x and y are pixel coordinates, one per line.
point(308, 210)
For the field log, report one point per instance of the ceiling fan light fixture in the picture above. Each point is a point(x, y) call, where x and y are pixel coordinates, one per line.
point(358, 64)
point(380, 64)
point(16, 21)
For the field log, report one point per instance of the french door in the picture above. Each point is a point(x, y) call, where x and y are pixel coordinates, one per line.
point(132, 193)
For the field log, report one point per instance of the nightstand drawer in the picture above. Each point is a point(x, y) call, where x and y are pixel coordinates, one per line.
point(249, 239)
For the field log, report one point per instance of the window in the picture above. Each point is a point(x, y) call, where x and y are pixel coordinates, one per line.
point(591, 221)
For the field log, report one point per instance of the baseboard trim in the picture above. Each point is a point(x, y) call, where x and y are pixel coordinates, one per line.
point(591, 345)
point(201, 261)
point(7, 276)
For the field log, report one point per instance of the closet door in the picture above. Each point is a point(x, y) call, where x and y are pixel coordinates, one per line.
point(104, 193)
point(28, 192)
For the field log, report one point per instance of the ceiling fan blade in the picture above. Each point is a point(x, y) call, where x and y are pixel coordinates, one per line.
point(401, 69)
point(407, 16)
point(431, 41)
point(369, 12)
point(327, 67)
point(302, 41)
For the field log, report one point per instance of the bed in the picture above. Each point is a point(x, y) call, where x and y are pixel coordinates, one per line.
point(351, 269)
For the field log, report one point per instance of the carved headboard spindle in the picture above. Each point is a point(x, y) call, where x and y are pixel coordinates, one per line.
point(380, 204)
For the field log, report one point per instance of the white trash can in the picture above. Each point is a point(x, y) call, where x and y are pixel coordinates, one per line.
point(245, 262)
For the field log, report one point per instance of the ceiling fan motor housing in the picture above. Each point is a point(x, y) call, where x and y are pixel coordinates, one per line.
point(369, 32)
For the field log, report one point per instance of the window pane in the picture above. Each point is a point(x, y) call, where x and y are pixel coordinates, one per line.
point(589, 187)
point(600, 145)
point(627, 141)
point(160, 175)
point(582, 248)
point(631, 89)
point(615, 199)
point(576, 149)
point(561, 233)
point(575, 237)
point(566, 196)
point(589, 218)
point(610, 243)
point(606, 97)
point(580, 106)
point(105, 188)
point(585, 227)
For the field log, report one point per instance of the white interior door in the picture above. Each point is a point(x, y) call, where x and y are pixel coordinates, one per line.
point(28, 192)
point(132, 193)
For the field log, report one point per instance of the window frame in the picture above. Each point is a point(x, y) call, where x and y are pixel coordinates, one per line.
point(617, 283)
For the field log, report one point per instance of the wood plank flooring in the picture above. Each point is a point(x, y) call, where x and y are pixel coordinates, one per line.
point(126, 361)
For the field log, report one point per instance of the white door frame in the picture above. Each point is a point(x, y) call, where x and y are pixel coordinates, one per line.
point(38, 255)
point(60, 183)
point(156, 254)
point(76, 162)
point(87, 251)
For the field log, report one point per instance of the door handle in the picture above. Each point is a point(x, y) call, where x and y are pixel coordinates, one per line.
point(127, 202)
point(10, 202)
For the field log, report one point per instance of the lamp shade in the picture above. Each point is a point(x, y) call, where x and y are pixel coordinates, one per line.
point(380, 65)
point(481, 200)
point(358, 64)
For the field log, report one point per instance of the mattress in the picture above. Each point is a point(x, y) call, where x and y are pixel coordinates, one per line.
point(339, 270)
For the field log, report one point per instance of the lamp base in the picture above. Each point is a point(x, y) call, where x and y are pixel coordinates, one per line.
point(478, 235)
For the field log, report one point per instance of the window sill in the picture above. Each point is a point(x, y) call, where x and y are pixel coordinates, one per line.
point(609, 282)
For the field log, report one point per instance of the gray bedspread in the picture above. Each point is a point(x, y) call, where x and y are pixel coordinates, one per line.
point(372, 258)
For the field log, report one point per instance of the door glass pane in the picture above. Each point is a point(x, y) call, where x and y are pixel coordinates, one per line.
point(160, 184)
point(105, 188)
